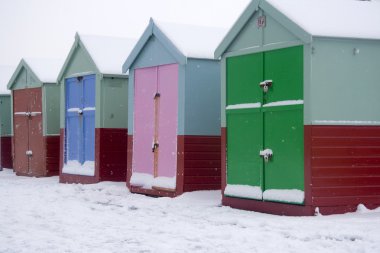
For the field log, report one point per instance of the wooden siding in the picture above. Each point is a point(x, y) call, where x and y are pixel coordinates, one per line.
point(52, 155)
point(202, 163)
point(112, 158)
point(345, 167)
point(6, 152)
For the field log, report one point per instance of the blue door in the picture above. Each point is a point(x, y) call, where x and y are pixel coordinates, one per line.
point(80, 119)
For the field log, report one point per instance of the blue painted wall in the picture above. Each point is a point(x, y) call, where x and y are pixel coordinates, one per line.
point(202, 97)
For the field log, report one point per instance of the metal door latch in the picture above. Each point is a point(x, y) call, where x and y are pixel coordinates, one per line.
point(28, 114)
point(29, 153)
point(266, 154)
point(154, 146)
point(80, 111)
point(265, 85)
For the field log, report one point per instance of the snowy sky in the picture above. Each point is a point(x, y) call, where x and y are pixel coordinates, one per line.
point(46, 28)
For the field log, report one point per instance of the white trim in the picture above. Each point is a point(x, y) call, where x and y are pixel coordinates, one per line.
point(243, 106)
point(283, 103)
point(345, 122)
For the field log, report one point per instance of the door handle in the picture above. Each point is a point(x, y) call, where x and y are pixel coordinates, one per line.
point(265, 85)
point(267, 154)
point(80, 112)
point(29, 153)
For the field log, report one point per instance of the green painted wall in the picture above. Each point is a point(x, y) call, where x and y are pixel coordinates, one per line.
point(51, 110)
point(5, 115)
point(252, 39)
point(345, 86)
point(114, 103)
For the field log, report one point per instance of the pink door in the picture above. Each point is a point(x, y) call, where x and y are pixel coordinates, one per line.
point(155, 121)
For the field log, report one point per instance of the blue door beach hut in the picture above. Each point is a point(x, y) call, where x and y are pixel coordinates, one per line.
point(94, 95)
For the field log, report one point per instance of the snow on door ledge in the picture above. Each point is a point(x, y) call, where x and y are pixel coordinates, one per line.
point(74, 167)
point(147, 181)
point(286, 195)
point(243, 191)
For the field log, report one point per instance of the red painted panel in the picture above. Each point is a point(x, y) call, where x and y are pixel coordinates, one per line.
point(334, 171)
point(202, 166)
point(198, 166)
point(223, 158)
point(203, 172)
point(129, 159)
point(268, 207)
point(113, 148)
point(6, 152)
point(52, 154)
point(345, 167)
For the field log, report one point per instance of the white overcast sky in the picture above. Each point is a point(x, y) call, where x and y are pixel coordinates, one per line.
point(46, 28)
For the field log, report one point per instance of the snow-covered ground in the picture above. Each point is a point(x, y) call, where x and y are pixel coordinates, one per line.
point(41, 215)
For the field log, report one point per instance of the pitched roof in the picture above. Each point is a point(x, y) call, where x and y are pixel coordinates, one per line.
point(6, 73)
point(333, 18)
point(46, 70)
point(182, 40)
point(108, 53)
point(318, 18)
point(193, 41)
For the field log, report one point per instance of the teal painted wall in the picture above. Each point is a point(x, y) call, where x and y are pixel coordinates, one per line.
point(25, 79)
point(153, 54)
point(51, 110)
point(114, 103)
point(345, 86)
point(202, 97)
point(5, 115)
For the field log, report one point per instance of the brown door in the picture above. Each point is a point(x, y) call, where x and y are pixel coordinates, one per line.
point(36, 143)
point(28, 139)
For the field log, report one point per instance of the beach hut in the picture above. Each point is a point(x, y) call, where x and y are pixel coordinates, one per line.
point(35, 117)
point(174, 116)
point(300, 99)
point(94, 95)
point(5, 118)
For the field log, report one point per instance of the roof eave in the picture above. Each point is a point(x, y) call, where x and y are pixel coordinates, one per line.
point(151, 30)
point(21, 65)
point(236, 28)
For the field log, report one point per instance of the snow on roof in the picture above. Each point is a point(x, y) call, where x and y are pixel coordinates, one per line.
point(6, 73)
point(47, 70)
point(108, 53)
point(334, 18)
point(193, 41)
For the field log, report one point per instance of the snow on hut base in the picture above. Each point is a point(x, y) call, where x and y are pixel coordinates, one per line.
point(198, 168)
point(110, 158)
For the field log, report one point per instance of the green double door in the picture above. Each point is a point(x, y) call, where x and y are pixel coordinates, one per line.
point(270, 120)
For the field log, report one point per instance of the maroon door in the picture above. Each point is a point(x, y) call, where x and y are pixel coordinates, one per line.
point(28, 139)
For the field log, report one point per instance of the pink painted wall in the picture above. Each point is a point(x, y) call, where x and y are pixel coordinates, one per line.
point(168, 89)
point(145, 88)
